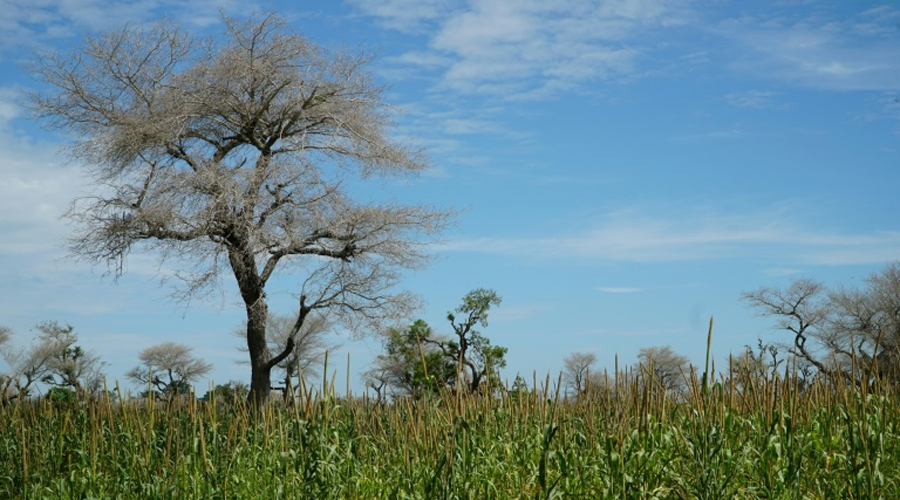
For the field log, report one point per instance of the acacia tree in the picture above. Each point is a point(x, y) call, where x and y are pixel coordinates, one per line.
point(668, 368)
point(69, 366)
point(24, 366)
point(231, 155)
point(169, 367)
point(800, 311)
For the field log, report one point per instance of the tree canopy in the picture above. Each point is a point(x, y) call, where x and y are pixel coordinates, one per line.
point(231, 156)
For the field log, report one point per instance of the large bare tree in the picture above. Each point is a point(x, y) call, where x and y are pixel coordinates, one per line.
point(800, 310)
point(237, 154)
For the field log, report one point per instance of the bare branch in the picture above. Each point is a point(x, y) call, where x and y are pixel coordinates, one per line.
point(237, 146)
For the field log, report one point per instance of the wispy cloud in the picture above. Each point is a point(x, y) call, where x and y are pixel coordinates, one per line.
point(856, 53)
point(409, 16)
point(510, 314)
point(638, 289)
point(631, 236)
point(528, 49)
point(25, 23)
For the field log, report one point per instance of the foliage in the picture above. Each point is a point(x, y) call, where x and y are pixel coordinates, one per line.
point(417, 362)
point(227, 394)
point(766, 441)
point(60, 396)
point(411, 364)
point(479, 360)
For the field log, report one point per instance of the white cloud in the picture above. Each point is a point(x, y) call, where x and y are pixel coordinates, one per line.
point(35, 187)
point(9, 110)
point(509, 314)
point(630, 236)
point(528, 48)
point(405, 15)
point(33, 23)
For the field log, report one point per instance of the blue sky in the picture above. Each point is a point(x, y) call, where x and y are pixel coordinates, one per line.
point(624, 168)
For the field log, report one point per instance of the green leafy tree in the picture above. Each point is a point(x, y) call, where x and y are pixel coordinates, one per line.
point(412, 364)
point(478, 359)
point(230, 393)
point(519, 388)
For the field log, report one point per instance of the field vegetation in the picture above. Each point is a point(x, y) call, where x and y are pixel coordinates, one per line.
point(751, 433)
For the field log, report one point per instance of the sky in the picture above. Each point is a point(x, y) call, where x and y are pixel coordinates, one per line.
point(623, 170)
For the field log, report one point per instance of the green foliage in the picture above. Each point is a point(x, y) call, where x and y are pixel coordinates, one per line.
point(419, 367)
point(229, 394)
point(416, 362)
point(60, 396)
point(480, 360)
point(823, 442)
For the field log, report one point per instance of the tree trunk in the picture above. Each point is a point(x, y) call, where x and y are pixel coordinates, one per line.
point(260, 370)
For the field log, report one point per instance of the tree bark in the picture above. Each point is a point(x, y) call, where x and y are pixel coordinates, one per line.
point(260, 369)
point(251, 286)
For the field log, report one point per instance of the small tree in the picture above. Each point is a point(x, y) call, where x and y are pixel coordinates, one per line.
point(231, 155)
point(169, 368)
point(576, 370)
point(233, 392)
point(412, 364)
point(519, 388)
point(24, 366)
point(473, 352)
point(69, 366)
point(800, 310)
point(667, 368)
